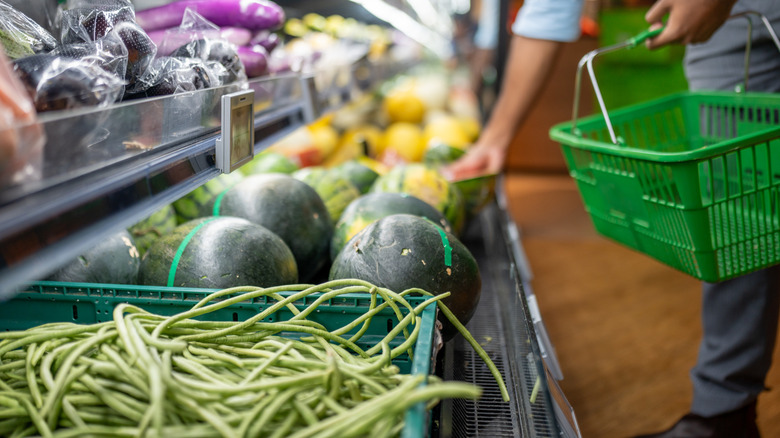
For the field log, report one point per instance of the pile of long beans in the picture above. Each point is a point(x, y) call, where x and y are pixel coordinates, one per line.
point(142, 374)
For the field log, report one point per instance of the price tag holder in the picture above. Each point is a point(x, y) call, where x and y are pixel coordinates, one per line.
point(236, 146)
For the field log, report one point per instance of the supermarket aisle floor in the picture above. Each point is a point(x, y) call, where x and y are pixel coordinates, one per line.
point(625, 327)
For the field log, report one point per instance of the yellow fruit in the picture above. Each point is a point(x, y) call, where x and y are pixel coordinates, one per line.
point(370, 133)
point(447, 130)
point(324, 138)
point(406, 140)
point(471, 126)
point(404, 106)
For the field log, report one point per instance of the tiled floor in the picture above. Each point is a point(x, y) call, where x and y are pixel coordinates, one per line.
point(625, 327)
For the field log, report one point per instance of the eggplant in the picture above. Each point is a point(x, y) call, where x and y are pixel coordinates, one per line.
point(269, 40)
point(141, 50)
point(214, 50)
point(249, 14)
point(58, 83)
point(255, 60)
point(168, 75)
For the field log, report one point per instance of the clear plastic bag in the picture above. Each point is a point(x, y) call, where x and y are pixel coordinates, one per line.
point(170, 75)
point(108, 53)
point(60, 83)
point(21, 137)
point(93, 20)
point(199, 38)
point(20, 36)
point(90, 20)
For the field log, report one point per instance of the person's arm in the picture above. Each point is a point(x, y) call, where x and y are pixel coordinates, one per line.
point(527, 69)
point(690, 21)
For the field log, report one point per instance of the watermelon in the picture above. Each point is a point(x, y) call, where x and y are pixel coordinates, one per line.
point(335, 189)
point(427, 183)
point(220, 252)
point(359, 174)
point(439, 153)
point(158, 224)
point(288, 207)
point(404, 251)
point(374, 206)
point(114, 260)
point(268, 162)
point(192, 205)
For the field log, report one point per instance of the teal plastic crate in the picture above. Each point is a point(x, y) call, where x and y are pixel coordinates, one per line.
point(85, 303)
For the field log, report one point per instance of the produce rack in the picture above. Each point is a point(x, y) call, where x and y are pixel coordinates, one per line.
point(159, 151)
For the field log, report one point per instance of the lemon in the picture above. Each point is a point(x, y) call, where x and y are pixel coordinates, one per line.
point(406, 140)
point(370, 133)
point(404, 106)
point(324, 138)
point(447, 130)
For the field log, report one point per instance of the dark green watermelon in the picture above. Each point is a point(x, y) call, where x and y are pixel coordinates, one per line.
point(427, 183)
point(335, 190)
point(114, 260)
point(288, 207)
point(193, 204)
point(374, 206)
point(269, 162)
point(158, 224)
point(404, 251)
point(360, 175)
point(222, 252)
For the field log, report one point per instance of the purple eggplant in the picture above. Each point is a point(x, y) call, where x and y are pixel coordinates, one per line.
point(266, 38)
point(255, 60)
point(249, 14)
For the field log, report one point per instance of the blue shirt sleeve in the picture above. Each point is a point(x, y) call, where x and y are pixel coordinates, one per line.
point(555, 20)
point(486, 36)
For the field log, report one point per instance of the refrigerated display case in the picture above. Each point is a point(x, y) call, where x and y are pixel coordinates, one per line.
point(153, 151)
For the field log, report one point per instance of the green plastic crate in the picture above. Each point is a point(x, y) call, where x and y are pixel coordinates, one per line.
point(86, 303)
point(694, 182)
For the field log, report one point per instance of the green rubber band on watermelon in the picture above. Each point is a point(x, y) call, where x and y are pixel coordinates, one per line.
point(180, 250)
point(445, 243)
point(218, 201)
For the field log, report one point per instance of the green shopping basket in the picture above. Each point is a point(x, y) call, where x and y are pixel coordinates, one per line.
point(691, 179)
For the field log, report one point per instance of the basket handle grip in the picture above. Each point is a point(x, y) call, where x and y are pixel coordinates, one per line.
point(587, 62)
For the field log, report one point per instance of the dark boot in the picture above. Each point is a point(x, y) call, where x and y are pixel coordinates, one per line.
point(737, 424)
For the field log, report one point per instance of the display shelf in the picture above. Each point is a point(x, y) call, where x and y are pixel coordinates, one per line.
point(505, 326)
point(104, 169)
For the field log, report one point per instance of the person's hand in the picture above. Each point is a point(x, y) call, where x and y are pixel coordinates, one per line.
point(480, 159)
point(690, 21)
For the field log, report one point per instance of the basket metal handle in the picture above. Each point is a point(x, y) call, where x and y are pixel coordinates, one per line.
point(587, 62)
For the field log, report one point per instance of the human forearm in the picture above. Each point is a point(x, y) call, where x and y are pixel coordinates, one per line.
point(528, 66)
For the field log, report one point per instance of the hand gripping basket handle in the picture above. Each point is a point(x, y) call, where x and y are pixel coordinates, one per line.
point(587, 61)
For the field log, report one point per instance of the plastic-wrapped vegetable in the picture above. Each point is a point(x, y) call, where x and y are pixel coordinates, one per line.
point(21, 137)
point(20, 36)
point(193, 37)
point(108, 53)
point(168, 75)
point(217, 51)
point(58, 83)
point(249, 14)
point(89, 20)
point(93, 20)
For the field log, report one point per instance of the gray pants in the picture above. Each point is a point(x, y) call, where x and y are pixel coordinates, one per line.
point(739, 316)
